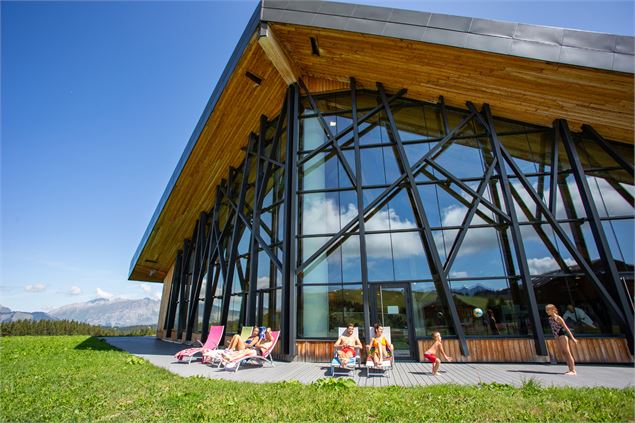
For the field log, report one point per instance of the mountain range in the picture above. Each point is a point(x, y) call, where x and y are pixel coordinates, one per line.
point(100, 311)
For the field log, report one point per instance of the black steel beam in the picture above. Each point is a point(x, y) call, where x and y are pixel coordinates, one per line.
point(380, 198)
point(519, 248)
point(434, 261)
point(599, 236)
point(289, 259)
point(174, 294)
point(360, 212)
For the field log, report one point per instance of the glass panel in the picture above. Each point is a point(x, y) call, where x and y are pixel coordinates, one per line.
point(379, 257)
point(490, 307)
point(462, 158)
point(199, 316)
point(401, 214)
point(325, 308)
point(429, 312)
point(214, 317)
point(578, 302)
point(410, 262)
point(327, 268)
point(320, 213)
point(233, 318)
point(544, 254)
point(620, 237)
point(610, 197)
point(479, 254)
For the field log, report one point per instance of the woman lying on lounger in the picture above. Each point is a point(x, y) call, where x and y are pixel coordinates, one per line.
point(260, 346)
point(236, 343)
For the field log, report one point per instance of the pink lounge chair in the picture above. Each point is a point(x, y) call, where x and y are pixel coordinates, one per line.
point(252, 354)
point(213, 338)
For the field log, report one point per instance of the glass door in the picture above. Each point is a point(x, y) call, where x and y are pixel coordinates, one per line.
point(390, 306)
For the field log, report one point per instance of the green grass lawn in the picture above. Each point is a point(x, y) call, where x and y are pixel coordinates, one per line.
point(79, 378)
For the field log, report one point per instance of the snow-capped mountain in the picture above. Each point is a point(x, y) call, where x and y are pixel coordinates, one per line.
point(8, 315)
point(111, 312)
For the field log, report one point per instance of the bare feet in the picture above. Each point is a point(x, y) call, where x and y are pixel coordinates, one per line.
point(571, 373)
point(435, 374)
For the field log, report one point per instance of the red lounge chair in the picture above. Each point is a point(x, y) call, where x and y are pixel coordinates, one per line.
point(213, 338)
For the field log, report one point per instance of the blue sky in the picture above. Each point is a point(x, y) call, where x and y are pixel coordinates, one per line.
point(98, 101)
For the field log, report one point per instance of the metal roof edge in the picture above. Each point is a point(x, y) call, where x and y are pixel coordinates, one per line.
point(250, 29)
point(589, 49)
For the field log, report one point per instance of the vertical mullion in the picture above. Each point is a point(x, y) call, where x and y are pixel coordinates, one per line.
point(201, 247)
point(360, 210)
point(428, 240)
point(553, 181)
point(289, 297)
point(182, 309)
point(519, 248)
point(174, 294)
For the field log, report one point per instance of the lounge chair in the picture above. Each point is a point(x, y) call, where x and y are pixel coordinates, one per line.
point(387, 362)
point(337, 368)
point(213, 338)
point(253, 355)
point(214, 356)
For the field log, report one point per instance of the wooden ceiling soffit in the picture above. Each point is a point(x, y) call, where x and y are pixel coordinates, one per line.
point(280, 58)
point(520, 89)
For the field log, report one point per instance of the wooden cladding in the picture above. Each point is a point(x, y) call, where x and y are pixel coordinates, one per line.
point(595, 350)
point(587, 350)
point(517, 88)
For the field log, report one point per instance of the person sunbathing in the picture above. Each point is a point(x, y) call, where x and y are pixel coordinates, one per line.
point(346, 345)
point(259, 347)
point(379, 348)
point(237, 344)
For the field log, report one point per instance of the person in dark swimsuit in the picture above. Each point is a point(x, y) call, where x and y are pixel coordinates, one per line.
point(236, 343)
point(562, 334)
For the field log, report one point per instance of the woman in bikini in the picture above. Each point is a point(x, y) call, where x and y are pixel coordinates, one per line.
point(379, 348)
point(237, 344)
point(346, 345)
point(562, 334)
point(259, 346)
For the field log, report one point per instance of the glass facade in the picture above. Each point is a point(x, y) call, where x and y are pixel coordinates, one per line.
point(469, 224)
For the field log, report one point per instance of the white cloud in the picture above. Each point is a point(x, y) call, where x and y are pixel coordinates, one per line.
point(458, 274)
point(145, 287)
point(38, 287)
point(104, 294)
point(75, 290)
point(538, 266)
point(157, 295)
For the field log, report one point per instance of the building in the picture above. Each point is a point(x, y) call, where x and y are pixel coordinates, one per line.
point(362, 164)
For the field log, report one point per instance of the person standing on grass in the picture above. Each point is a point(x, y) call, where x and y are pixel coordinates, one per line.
point(562, 334)
point(435, 350)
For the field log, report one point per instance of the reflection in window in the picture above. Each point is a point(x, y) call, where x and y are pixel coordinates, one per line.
point(501, 304)
point(322, 309)
point(429, 312)
point(575, 292)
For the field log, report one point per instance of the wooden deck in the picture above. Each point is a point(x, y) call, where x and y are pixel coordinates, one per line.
point(160, 353)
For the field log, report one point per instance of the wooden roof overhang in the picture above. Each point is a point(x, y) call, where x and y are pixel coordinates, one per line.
point(276, 48)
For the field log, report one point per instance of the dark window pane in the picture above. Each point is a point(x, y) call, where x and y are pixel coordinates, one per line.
point(575, 292)
point(429, 312)
point(491, 307)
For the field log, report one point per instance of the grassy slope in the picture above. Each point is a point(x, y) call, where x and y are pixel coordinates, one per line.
point(78, 378)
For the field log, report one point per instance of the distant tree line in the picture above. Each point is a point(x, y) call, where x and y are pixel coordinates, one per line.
point(70, 327)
